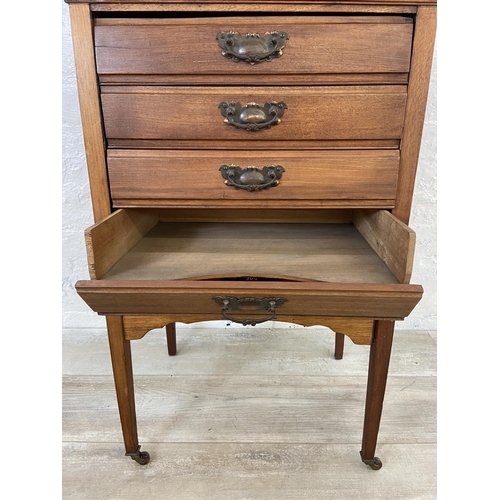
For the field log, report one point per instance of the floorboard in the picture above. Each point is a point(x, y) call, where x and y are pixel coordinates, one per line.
point(246, 471)
point(248, 413)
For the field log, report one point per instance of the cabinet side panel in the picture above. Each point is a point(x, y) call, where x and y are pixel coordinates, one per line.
point(88, 92)
point(420, 70)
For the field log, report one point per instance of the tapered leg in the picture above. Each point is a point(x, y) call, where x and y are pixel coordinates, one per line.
point(121, 359)
point(171, 339)
point(339, 345)
point(380, 354)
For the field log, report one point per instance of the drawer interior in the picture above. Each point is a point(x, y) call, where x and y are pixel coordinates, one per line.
point(299, 252)
point(373, 247)
point(355, 265)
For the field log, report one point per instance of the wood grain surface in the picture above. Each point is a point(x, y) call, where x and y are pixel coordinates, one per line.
point(221, 4)
point(90, 111)
point(358, 330)
point(316, 45)
point(284, 215)
point(392, 240)
point(146, 177)
point(418, 88)
point(313, 252)
point(330, 300)
point(112, 237)
point(317, 6)
point(314, 113)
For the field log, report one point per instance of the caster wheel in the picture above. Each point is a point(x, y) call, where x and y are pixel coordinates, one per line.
point(141, 457)
point(375, 463)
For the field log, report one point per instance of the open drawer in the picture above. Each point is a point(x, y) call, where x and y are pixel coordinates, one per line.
point(357, 266)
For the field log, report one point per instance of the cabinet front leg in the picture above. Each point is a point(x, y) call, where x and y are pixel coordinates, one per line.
point(380, 354)
point(121, 360)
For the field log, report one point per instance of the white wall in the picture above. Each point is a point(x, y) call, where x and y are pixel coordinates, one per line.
point(77, 213)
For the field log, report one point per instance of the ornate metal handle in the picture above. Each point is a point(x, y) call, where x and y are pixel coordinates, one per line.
point(252, 116)
point(252, 48)
point(249, 304)
point(252, 178)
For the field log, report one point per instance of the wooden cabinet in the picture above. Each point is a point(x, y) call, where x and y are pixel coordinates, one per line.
point(252, 161)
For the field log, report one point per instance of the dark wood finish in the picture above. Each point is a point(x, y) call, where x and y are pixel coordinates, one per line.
point(318, 45)
point(121, 359)
point(148, 178)
point(339, 345)
point(380, 354)
point(171, 339)
point(314, 113)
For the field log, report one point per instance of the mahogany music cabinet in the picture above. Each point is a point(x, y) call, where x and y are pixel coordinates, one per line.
point(252, 160)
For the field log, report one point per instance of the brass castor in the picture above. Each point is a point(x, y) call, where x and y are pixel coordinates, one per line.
point(141, 457)
point(375, 463)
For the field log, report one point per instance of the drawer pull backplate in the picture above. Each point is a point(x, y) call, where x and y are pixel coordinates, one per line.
point(252, 178)
point(252, 116)
point(249, 304)
point(252, 48)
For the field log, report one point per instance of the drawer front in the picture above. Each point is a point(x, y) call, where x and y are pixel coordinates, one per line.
point(316, 45)
point(164, 178)
point(374, 301)
point(308, 114)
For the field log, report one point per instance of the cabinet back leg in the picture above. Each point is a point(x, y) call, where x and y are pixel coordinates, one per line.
point(380, 353)
point(339, 345)
point(171, 339)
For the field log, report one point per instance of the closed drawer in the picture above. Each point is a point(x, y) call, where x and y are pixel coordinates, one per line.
point(311, 114)
point(193, 177)
point(359, 269)
point(323, 48)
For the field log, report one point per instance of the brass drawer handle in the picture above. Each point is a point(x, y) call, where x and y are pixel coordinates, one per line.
point(252, 116)
point(249, 304)
point(252, 178)
point(252, 48)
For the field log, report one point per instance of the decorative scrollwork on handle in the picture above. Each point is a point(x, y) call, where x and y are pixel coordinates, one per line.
point(249, 304)
point(252, 48)
point(252, 116)
point(252, 178)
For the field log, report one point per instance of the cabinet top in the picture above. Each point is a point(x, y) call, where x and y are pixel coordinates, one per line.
point(246, 2)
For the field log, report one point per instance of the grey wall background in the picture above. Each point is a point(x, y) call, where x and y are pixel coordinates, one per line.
point(77, 213)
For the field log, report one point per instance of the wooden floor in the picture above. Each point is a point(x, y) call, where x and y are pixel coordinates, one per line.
point(248, 413)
